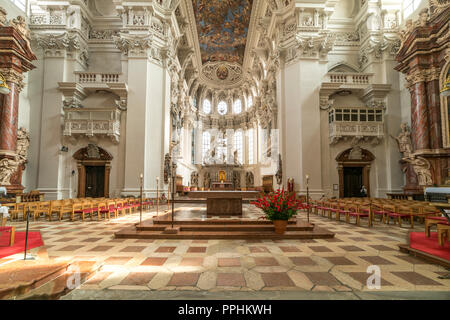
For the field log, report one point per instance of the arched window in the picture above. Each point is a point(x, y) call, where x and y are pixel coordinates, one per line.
point(409, 6)
point(195, 102)
point(206, 106)
point(237, 106)
point(250, 146)
point(238, 145)
point(250, 101)
point(206, 143)
point(222, 107)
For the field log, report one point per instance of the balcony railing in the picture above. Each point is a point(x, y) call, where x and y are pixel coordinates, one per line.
point(356, 123)
point(97, 77)
point(349, 78)
point(92, 122)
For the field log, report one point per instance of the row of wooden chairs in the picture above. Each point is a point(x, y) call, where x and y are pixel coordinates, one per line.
point(79, 207)
point(385, 209)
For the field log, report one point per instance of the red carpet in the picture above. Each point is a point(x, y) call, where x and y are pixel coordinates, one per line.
point(418, 241)
point(34, 240)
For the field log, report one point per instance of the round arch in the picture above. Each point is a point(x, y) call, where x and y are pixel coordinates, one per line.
point(355, 157)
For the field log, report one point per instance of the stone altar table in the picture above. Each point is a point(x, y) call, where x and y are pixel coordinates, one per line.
point(224, 203)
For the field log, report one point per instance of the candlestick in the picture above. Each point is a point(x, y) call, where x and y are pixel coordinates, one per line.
point(140, 211)
point(157, 196)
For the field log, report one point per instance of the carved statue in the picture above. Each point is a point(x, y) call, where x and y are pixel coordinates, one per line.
point(207, 181)
point(3, 20)
point(423, 17)
point(194, 179)
point(249, 179)
point(279, 174)
point(23, 142)
point(235, 157)
point(422, 169)
point(166, 168)
point(7, 168)
point(237, 180)
point(73, 17)
point(92, 151)
point(20, 25)
point(404, 141)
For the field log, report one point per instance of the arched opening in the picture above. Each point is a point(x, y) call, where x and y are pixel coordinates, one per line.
point(354, 171)
point(94, 168)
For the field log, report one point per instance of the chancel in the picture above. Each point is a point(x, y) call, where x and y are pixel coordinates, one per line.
point(217, 148)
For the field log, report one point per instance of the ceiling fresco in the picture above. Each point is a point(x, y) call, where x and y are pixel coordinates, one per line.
point(222, 27)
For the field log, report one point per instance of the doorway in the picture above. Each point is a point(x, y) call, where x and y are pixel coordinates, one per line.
point(354, 172)
point(353, 180)
point(94, 169)
point(95, 181)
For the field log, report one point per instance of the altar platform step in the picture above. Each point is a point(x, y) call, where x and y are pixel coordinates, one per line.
point(223, 227)
point(165, 220)
point(132, 233)
point(240, 229)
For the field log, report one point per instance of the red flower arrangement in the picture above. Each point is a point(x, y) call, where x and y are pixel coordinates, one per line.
point(279, 205)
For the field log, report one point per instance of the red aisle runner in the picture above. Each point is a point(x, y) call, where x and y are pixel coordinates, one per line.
point(34, 240)
point(418, 241)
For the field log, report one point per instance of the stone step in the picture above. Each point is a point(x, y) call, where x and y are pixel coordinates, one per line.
point(132, 233)
point(20, 277)
point(76, 274)
point(210, 221)
point(225, 227)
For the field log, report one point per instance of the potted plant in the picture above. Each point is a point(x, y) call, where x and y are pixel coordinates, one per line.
point(278, 207)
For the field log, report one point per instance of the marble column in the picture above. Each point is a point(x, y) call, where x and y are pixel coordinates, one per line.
point(9, 113)
point(434, 111)
point(419, 117)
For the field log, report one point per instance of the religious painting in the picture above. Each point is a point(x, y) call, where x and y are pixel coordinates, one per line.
point(222, 72)
point(222, 175)
point(222, 27)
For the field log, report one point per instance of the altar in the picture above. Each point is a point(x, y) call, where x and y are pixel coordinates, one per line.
point(224, 203)
point(223, 185)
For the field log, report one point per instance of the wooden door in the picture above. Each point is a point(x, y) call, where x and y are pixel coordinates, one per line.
point(95, 181)
point(353, 181)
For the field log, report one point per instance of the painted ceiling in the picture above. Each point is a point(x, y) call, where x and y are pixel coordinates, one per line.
point(222, 27)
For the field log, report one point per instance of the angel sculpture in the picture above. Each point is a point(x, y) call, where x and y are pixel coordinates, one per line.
point(404, 141)
point(7, 168)
point(422, 169)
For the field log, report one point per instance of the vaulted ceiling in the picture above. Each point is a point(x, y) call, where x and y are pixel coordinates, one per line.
point(222, 28)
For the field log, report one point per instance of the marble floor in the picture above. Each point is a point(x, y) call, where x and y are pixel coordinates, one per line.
point(334, 267)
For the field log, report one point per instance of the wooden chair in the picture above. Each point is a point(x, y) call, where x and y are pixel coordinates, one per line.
point(354, 211)
point(55, 208)
point(77, 208)
point(102, 210)
point(399, 213)
point(443, 231)
point(432, 221)
point(3, 228)
point(43, 208)
point(108, 208)
point(120, 208)
point(379, 210)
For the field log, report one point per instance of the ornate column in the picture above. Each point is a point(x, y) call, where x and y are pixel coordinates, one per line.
point(15, 59)
point(435, 129)
point(421, 58)
point(419, 116)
